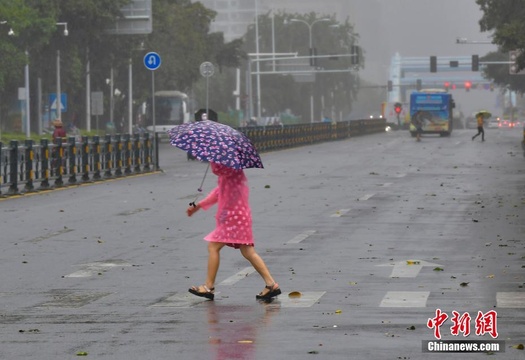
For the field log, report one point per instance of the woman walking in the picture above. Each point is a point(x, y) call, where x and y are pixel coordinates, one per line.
point(233, 229)
point(481, 131)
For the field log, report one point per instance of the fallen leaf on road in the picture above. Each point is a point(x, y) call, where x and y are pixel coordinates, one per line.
point(295, 294)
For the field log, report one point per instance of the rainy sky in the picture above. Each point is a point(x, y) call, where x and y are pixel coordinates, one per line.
point(421, 28)
point(416, 28)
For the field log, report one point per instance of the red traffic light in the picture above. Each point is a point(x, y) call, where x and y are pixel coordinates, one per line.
point(468, 85)
point(398, 108)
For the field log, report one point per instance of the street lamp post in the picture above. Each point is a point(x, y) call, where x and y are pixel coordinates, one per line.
point(58, 100)
point(310, 26)
point(10, 33)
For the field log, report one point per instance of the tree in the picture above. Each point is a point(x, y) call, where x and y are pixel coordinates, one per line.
point(505, 19)
point(180, 35)
point(500, 73)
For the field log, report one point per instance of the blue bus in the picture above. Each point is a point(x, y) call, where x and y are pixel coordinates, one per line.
point(434, 108)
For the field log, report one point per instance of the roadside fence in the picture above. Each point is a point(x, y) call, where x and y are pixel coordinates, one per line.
point(267, 138)
point(32, 167)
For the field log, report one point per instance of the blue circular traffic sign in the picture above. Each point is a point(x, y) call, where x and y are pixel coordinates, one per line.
point(152, 61)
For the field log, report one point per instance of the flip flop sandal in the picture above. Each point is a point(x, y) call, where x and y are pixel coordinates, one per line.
point(274, 291)
point(208, 294)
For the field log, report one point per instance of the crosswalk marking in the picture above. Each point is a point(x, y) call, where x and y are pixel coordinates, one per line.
point(307, 299)
point(405, 299)
point(95, 268)
point(73, 299)
point(180, 301)
point(340, 213)
point(238, 277)
point(365, 197)
point(185, 300)
point(510, 300)
point(301, 237)
point(408, 268)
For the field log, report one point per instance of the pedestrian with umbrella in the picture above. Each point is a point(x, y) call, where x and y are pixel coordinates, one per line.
point(480, 118)
point(229, 152)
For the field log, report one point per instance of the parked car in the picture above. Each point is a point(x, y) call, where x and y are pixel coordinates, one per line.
point(493, 124)
point(506, 123)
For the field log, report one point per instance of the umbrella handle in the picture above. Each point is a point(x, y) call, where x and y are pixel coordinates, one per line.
point(200, 188)
point(204, 178)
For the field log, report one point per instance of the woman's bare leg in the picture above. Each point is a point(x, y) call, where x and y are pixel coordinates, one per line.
point(214, 259)
point(258, 264)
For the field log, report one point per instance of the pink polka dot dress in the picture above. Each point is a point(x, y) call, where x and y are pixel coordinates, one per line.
point(233, 218)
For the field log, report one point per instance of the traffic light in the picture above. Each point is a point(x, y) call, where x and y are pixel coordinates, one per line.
point(447, 85)
point(475, 62)
point(354, 51)
point(513, 66)
point(433, 64)
point(398, 107)
point(468, 85)
point(389, 85)
point(418, 84)
point(313, 59)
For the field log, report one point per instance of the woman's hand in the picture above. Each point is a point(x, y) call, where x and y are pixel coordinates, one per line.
point(192, 209)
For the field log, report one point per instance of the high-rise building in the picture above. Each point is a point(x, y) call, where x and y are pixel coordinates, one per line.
point(234, 16)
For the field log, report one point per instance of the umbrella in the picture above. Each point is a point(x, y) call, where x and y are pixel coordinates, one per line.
point(214, 142)
point(211, 114)
point(486, 114)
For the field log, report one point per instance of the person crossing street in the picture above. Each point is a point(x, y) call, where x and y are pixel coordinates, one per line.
point(481, 131)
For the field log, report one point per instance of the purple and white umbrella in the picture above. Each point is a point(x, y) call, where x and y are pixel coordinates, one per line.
point(214, 142)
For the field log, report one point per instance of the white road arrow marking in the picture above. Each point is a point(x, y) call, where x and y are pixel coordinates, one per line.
point(408, 268)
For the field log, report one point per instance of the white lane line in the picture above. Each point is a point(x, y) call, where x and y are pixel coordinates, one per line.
point(340, 213)
point(239, 276)
point(91, 269)
point(510, 300)
point(366, 197)
point(301, 237)
point(386, 184)
point(397, 299)
point(400, 175)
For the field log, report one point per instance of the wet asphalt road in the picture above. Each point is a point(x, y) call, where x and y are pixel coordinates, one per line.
point(376, 232)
